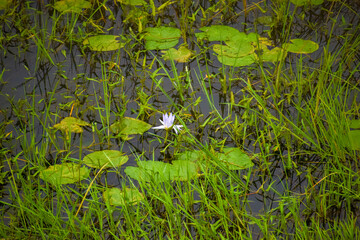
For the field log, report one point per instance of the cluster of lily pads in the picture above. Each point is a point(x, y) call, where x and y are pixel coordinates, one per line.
point(185, 166)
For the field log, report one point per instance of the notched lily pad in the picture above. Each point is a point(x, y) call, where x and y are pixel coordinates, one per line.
point(353, 140)
point(235, 159)
point(65, 173)
point(181, 170)
point(128, 126)
point(217, 33)
point(117, 197)
point(103, 43)
point(355, 123)
point(72, 5)
point(71, 124)
point(301, 46)
point(183, 54)
point(161, 37)
point(133, 2)
point(237, 62)
point(300, 3)
point(110, 158)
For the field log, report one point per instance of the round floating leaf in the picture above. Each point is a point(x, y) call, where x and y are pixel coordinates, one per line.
point(71, 124)
point(273, 55)
point(183, 170)
point(353, 140)
point(217, 33)
point(183, 54)
point(64, 173)
point(301, 46)
point(233, 51)
point(235, 159)
point(116, 197)
point(193, 155)
point(110, 158)
point(103, 43)
point(149, 171)
point(355, 123)
point(128, 126)
point(300, 3)
point(4, 4)
point(237, 62)
point(72, 5)
point(161, 37)
point(133, 2)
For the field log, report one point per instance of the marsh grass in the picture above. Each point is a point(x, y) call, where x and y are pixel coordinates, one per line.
point(290, 118)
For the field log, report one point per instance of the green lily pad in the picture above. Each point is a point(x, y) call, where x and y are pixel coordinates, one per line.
point(4, 4)
point(161, 37)
point(355, 123)
point(99, 159)
point(103, 43)
point(300, 3)
point(235, 159)
point(117, 197)
point(193, 155)
point(237, 62)
point(72, 5)
point(240, 50)
point(217, 33)
point(128, 126)
point(301, 46)
point(64, 173)
point(273, 55)
point(133, 2)
point(353, 140)
point(183, 54)
point(71, 124)
point(181, 170)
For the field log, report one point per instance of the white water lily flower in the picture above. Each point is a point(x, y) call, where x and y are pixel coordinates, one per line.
point(168, 122)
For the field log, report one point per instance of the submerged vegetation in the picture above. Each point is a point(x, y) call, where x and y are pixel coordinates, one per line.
point(260, 119)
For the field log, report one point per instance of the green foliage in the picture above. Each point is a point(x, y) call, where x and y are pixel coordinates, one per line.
point(148, 171)
point(117, 197)
point(72, 5)
point(71, 124)
point(301, 46)
point(128, 126)
point(64, 173)
point(183, 54)
point(103, 43)
point(161, 37)
point(133, 2)
point(217, 33)
point(107, 158)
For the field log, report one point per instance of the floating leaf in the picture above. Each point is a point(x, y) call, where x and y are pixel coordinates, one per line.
point(148, 171)
point(72, 5)
point(183, 54)
point(127, 126)
point(4, 4)
point(64, 173)
point(103, 43)
point(235, 159)
point(353, 140)
point(301, 46)
point(217, 33)
point(71, 124)
point(161, 37)
point(111, 158)
point(183, 170)
point(133, 2)
point(116, 197)
point(241, 50)
point(193, 155)
point(237, 62)
point(273, 55)
point(300, 3)
point(355, 123)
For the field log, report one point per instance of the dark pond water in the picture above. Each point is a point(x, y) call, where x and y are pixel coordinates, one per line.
point(69, 80)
